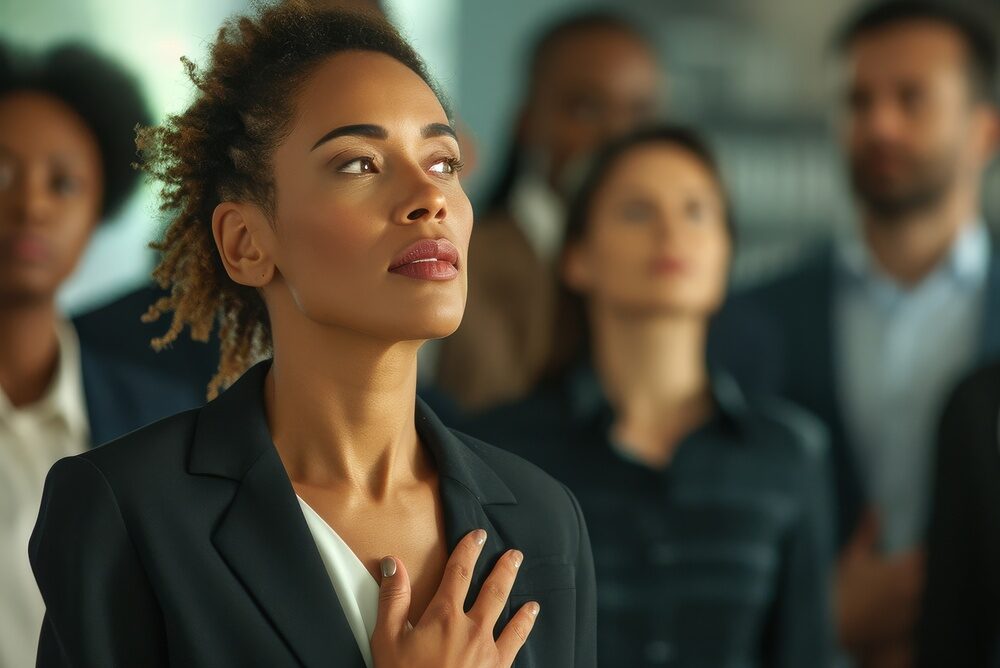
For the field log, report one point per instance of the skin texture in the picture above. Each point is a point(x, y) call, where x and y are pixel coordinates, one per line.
point(341, 392)
point(917, 142)
point(51, 185)
point(653, 265)
point(593, 85)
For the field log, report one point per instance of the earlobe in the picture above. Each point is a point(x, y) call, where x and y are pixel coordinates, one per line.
point(242, 248)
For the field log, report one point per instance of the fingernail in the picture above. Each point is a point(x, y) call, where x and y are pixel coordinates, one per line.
point(480, 536)
point(388, 565)
point(516, 559)
point(533, 609)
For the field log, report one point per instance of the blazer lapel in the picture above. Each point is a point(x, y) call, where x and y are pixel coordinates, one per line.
point(262, 536)
point(468, 488)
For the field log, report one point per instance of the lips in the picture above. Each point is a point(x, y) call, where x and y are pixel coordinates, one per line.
point(25, 248)
point(428, 259)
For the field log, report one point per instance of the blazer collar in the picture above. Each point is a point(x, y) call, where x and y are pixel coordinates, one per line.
point(263, 536)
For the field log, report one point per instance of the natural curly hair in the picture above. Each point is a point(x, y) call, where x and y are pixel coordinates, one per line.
point(220, 149)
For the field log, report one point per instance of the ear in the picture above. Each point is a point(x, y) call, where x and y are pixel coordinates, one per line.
point(575, 268)
point(244, 239)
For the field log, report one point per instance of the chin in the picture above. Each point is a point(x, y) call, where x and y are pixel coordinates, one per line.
point(428, 324)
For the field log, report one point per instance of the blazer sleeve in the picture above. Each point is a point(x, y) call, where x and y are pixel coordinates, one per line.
point(585, 652)
point(800, 627)
point(100, 607)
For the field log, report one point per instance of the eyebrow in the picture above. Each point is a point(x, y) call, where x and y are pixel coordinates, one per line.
point(378, 132)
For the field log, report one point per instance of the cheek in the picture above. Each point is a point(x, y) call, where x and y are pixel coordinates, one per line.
point(78, 221)
point(320, 253)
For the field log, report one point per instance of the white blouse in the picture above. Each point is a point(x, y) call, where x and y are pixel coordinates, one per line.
point(355, 586)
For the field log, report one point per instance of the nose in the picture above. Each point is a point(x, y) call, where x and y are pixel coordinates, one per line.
point(424, 202)
point(882, 120)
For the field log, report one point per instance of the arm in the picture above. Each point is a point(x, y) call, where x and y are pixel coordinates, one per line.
point(800, 630)
point(100, 608)
point(585, 651)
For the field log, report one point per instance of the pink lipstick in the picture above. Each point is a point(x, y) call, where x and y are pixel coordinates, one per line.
point(428, 260)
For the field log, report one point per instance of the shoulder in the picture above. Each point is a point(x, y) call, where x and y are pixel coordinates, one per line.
point(545, 507)
point(970, 423)
point(978, 394)
point(793, 428)
point(526, 480)
point(151, 456)
point(811, 273)
point(790, 445)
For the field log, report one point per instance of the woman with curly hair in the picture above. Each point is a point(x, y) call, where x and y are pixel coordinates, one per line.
point(319, 222)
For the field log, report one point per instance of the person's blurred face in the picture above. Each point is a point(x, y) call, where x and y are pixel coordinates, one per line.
point(51, 184)
point(369, 168)
point(913, 129)
point(656, 240)
point(590, 87)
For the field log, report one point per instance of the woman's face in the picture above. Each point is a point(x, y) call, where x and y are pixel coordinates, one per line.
point(371, 225)
point(51, 182)
point(656, 241)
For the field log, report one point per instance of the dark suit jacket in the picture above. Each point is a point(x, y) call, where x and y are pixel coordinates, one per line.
point(961, 621)
point(183, 544)
point(126, 383)
point(779, 339)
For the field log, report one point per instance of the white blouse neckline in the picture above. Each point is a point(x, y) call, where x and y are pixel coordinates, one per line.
point(356, 589)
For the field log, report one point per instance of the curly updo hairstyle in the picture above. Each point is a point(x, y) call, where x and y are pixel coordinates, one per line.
point(220, 149)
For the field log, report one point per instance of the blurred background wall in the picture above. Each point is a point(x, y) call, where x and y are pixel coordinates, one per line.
point(754, 74)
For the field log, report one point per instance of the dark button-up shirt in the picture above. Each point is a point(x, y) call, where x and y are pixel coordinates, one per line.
point(722, 558)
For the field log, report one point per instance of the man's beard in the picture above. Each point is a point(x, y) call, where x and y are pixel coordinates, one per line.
point(925, 183)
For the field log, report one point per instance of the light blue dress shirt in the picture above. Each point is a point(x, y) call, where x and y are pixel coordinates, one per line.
point(899, 352)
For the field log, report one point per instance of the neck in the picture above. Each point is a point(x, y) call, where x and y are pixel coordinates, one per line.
point(909, 248)
point(29, 350)
point(652, 369)
point(341, 410)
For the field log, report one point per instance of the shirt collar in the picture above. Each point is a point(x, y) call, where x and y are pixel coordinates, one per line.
point(587, 398)
point(966, 263)
point(539, 212)
point(63, 399)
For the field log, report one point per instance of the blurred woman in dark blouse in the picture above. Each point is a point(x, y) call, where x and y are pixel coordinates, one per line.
point(708, 510)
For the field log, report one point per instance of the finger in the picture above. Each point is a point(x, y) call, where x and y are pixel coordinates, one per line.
point(492, 597)
point(393, 598)
point(454, 585)
point(515, 634)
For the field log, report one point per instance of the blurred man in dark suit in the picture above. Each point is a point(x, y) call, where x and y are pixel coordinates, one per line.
point(873, 332)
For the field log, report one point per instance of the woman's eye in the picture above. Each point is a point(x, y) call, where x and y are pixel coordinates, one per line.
point(699, 211)
point(359, 166)
point(63, 184)
point(447, 166)
point(636, 212)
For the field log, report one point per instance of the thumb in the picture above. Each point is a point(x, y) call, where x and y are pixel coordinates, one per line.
point(393, 598)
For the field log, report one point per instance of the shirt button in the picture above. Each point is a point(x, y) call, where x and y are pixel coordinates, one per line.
point(659, 651)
